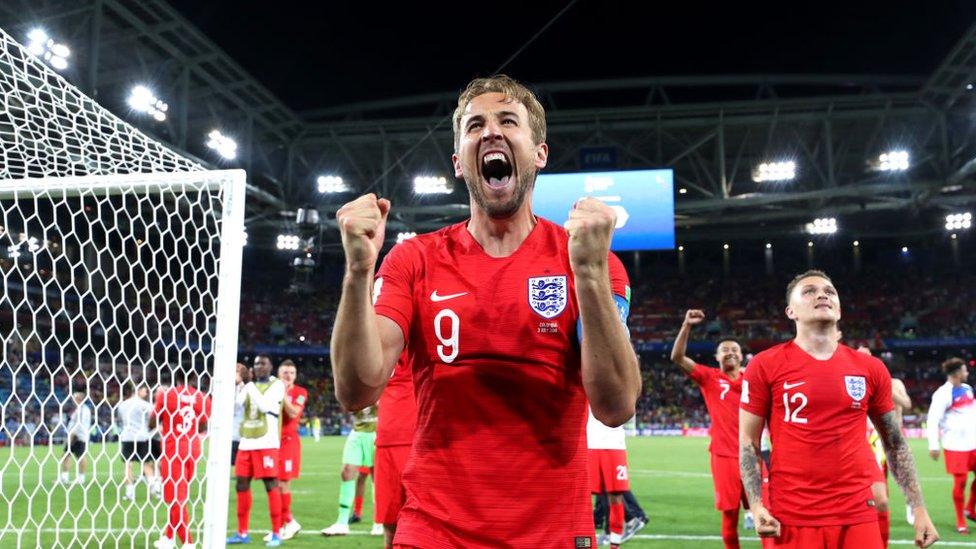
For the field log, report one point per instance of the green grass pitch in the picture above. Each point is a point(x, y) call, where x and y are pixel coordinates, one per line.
point(669, 476)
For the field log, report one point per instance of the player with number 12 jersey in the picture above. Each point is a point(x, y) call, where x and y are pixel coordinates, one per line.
point(501, 408)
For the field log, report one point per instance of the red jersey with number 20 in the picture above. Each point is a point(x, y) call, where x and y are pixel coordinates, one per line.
point(817, 414)
point(721, 394)
point(181, 410)
point(501, 411)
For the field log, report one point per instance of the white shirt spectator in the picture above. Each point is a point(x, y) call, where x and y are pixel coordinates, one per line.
point(952, 418)
point(133, 415)
point(80, 423)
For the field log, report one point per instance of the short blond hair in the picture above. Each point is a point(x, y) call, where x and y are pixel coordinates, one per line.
point(796, 280)
point(512, 89)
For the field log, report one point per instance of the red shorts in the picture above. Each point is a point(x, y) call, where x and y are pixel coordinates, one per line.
point(257, 463)
point(608, 471)
point(728, 483)
point(866, 535)
point(176, 473)
point(289, 458)
point(387, 482)
point(960, 463)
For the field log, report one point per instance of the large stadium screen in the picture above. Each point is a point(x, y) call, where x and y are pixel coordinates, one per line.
point(643, 199)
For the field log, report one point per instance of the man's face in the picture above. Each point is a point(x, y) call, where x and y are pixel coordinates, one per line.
point(729, 356)
point(262, 367)
point(496, 155)
point(814, 299)
point(143, 393)
point(287, 375)
point(961, 375)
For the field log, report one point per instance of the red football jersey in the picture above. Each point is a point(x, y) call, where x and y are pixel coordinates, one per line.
point(180, 411)
point(501, 411)
point(817, 415)
point(298, 396)
point(397, 408)
point(721, 394)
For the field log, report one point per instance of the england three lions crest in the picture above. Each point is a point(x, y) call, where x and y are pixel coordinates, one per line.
point(548, 295)
point(857, 387)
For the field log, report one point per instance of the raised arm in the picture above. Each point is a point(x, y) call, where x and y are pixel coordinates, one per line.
point(692, 317)
point(750, 468)
point(611, 375)
point(899, 394)
point(364, 346)
point(902, 466)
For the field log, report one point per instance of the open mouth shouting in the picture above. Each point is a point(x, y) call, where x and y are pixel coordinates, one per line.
point(497, 169)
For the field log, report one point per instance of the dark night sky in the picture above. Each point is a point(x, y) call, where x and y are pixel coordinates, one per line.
point(332, 52)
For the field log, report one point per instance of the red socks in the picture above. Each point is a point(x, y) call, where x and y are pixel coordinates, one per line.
point(274, 505)
point(730, 528)
point(616, 524)
point(971, 502)
point(179, 521)
point(357, 506)
point(958, 495)
point(286, 507)
point(244, 500)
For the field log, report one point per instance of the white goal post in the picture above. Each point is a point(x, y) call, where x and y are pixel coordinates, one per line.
point(121, 263)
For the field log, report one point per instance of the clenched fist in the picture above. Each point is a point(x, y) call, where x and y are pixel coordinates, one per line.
point(362, 224)
point(694, 316)
point(590, 227)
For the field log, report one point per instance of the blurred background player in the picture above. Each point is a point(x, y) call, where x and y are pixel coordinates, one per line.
point(395, 426)
point(257, 456)
point(181, 413)
point(359, 451)
point(243, 376)
point(952, 421)
point(607, 457)
point(721, 388)
point(316, 426)
point(290, 453)
point(78, 430)
point(133, 418)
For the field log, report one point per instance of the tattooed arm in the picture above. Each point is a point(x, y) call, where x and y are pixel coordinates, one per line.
point(750, 431)
point(902, 466)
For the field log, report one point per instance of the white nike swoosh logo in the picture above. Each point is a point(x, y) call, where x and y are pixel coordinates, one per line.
point(787, 385)
point(435, 298)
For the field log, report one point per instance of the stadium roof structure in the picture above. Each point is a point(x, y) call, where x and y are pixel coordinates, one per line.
point(712, 130)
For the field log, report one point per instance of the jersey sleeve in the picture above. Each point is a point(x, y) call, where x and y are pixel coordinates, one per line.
point(936, 410)
point(619, 285)
point(756, 390)
point(393, 287)
point(881, 401)
point(699, 374)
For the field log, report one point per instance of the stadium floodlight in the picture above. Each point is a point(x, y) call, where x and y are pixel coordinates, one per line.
point(904, 249)
point(142, 99)
point(682, 190)
point(431, 185)
point(769, 245)
point(681, 248)
point(894, 161)
point(810, 244)
point(725, 246)
point(288, 242)
point(330, 184)
point(43, 46)
point(856, 243)
point(823, 225)
point(774, 171)
point(225, 146)
point(957, 221)
point(405, 236)
point(969, 86)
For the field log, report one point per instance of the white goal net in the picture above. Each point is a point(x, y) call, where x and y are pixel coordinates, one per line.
point(121, 268)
